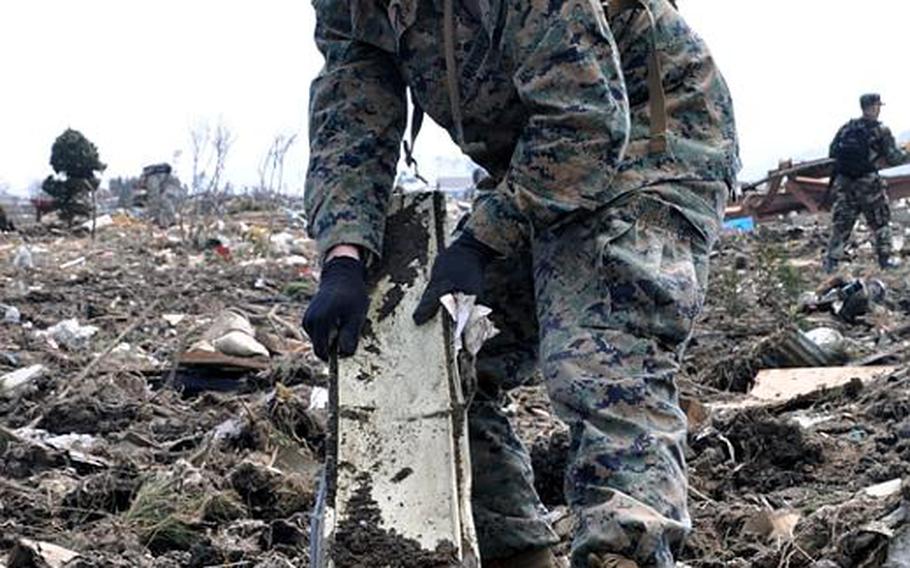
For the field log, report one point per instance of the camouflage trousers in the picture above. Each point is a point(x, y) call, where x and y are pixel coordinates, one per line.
point(868, 196)
point(601, 307)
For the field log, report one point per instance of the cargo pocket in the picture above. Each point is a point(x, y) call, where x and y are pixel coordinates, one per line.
point(647, 270)
point(879, 210)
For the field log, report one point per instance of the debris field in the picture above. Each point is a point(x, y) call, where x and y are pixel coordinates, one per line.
point(159, 406)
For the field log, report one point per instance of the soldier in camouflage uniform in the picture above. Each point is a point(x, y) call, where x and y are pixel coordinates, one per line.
point(857, 186)
point(611, 132)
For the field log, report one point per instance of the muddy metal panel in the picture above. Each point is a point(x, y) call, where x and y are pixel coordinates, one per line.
point(398, 473)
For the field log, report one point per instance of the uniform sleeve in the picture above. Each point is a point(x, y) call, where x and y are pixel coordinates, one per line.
point(357, 119)
point(889, 151)
point(570, 80)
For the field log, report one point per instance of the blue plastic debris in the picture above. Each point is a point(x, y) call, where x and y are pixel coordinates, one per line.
point(740, 224)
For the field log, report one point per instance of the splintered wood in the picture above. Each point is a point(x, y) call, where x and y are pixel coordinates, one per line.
point(397, 483)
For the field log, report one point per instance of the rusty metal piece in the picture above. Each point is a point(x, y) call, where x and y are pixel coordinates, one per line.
point(799, 187)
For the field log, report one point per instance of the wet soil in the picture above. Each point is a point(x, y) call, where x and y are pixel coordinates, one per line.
point(361, 542)
point(407, 228)
point(94, 440)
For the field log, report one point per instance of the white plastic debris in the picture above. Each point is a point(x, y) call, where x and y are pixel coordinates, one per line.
point(240, 344)
point(69, 334)
point(128, 354)
point(173, 319)
point(100, 222)
point(829, 340)
point(24, 259)
point(899, 549)
point(232, 334)
point(884, 490)
point(68, 442)
point(296, 260)
point(12, 381)
point(226, 322)
point(12, 315)
point(281, 243)
point(230, 428)
point(32, 553)
point(73, 263)
point(319, 398)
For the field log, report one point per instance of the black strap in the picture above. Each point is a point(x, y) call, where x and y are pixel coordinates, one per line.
point(416, 123)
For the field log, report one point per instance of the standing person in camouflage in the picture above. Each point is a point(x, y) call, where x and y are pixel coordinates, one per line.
point(611, 132)
point(861, 147)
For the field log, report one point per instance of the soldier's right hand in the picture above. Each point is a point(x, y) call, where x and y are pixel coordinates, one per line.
point(337, 313)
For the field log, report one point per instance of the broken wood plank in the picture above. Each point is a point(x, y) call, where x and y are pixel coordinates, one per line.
point(779, 385)
point(397, 464)
point(218, 360)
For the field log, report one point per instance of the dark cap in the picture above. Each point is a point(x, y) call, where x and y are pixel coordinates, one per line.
point(870, 99)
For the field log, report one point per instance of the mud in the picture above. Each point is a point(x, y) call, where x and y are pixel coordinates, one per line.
point(101, 494)
point(360, 542)
point(814, 456)
point(270, 495)
point(89, 416)
point(121, 424)
point(549, 457)
point(405, 250)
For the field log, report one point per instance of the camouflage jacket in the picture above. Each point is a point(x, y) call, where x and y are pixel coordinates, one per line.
point(883, 149)
point(554, 99)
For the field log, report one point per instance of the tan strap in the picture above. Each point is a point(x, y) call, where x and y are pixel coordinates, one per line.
point(657, 96)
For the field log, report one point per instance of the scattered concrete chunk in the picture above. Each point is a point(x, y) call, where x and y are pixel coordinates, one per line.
point(34, 554)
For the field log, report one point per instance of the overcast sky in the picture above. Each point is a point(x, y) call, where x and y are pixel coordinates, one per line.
point(135, 75)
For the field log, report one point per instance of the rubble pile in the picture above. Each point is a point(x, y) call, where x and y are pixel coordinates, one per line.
point(159, 406)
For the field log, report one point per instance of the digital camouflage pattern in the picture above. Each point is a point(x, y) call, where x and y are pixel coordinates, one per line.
point(547, 107)
point(608, 345)
point(866, 196)
point(603, 242)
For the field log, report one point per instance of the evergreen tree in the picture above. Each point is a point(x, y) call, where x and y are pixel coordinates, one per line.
point(75, 160)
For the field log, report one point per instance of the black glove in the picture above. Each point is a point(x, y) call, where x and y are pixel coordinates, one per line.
point(339, 309)
point(459, 268)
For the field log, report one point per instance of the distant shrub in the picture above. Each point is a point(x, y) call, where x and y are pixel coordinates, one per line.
point(75, 160)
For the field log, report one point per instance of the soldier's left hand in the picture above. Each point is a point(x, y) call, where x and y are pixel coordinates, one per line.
point(459, 268)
